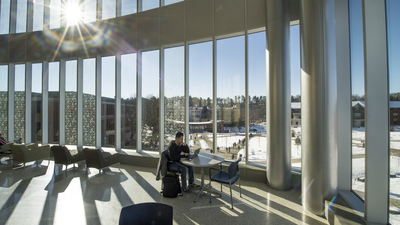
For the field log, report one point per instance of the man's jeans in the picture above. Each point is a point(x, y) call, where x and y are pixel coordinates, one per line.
point(178, 166)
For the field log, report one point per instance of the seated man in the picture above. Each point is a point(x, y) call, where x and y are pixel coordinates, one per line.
point(2, 141)
point(175, 149)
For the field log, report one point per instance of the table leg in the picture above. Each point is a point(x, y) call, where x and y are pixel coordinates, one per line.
point(204, 188)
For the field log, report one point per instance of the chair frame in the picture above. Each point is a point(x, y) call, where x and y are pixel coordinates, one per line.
point(230, 181)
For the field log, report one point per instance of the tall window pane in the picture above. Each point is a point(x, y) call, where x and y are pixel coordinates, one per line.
point(5, 17)
point(168, 2)
point(174, 93)
point(358, 104)
point(295, 95)
point(257, 98)
point(150, 100)
point(89, 102)
point(108, 101)
point(150, 4)
point(393, 7)
point(109, 9)
point(38, 8)
point(201, 96)
point(55, 13)
point(71, 103)
point(4, 101)
point(230, 96)
point(128, 101)
point(54, 103)
point(89, 11)
point(22, 7)
point(36, 103)
point(128, 7)
point(19, 103)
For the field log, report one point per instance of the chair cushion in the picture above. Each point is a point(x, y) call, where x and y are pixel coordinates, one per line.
point(223, 177)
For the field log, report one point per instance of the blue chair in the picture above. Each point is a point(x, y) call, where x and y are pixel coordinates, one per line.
point(229, 177)
point(146, 213)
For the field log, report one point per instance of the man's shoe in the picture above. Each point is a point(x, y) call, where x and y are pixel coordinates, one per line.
point(193, 185)
point(187, 190)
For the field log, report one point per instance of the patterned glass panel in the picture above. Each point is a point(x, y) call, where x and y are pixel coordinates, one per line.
point(36, 122)
point(19, 103)
point(71, 103)
point(89, 102)
point(4, 101)
point(174, 93)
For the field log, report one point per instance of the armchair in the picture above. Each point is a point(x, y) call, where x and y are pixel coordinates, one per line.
point(229, 177)
point(26, 153)
point(95, 158)
point(63, 156)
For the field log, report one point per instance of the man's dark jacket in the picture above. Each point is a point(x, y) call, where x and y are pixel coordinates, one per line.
point(175, 151)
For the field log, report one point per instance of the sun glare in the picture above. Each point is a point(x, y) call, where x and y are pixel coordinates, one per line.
point(73, 13)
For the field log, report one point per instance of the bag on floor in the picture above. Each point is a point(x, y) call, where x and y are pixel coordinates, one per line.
point(171, 186)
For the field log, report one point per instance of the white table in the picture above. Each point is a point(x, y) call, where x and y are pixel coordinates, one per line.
point(203, 160)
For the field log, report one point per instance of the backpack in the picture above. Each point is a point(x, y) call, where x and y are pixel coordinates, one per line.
point(171, 186)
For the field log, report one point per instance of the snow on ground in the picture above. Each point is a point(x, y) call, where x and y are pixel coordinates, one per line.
point(204, 145)
point(191, 143)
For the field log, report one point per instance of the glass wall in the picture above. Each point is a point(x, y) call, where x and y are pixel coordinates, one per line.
point(357, 92)
point(128, 101)
point(174, 93)
point(109, 9)
point(295, 95)
point(150, 4)
point(55, 13)
point(54, 103)
point(22, 6)
point(19, 103)
point(128, 7)
point(108, 101)
point(38, 13)
point(89, 102)
point(201, 96)
point(257, 98)
point(150, 100)
point(4, 101)
point(168, 2)
point(230, 96)
point(392, 9)
point(71, 103)
point(36, 119)
point(89, 11)
point(5, 16)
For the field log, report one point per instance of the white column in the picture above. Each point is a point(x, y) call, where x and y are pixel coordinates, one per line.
point(80, 102)
point(28, 103)
point(318, 103)
point(62, 102)
point(344, 93)
point(161, 97)
point(187, 108)
point(99, 10)
point(98, 102)
point(45, 103)
point(118, 102)
point(377, 150)
point(139, 101)
point(214, 105)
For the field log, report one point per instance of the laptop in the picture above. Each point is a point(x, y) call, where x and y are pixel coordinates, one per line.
point(194, 155)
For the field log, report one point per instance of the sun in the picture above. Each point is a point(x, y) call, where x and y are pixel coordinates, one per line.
point(73, 12)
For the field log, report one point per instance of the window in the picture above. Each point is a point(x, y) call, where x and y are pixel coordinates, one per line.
point(5, 17)
point(38, 10)
point(109, 9)
point(89, 102)
point(128, 7)
point(36, 103)
point(257, 99)
point(169, 2)
point(357, 86)
point(4, 101)
point(150, 100)
point(128, 101)
point(108, 101)
point(174, 93)
point(55, 13)
point(89, 11)
point(71, 103)
point(201, 96)
point(54, 103)
point(230, 97)
point(19, 103)
point(22, 7)
point(150, 4)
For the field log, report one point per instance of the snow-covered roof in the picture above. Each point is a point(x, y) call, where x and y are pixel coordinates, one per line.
point(296, 105)
point(354, 103)
point(394, 104)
